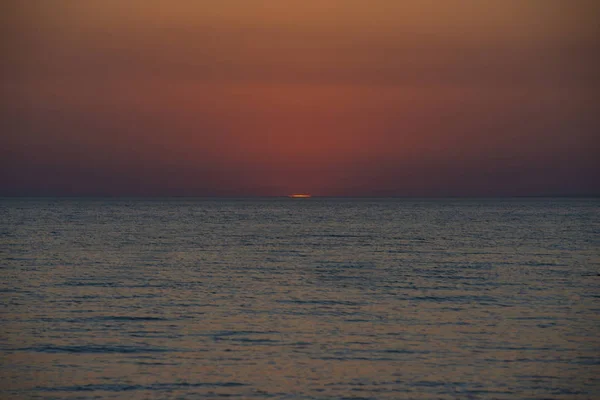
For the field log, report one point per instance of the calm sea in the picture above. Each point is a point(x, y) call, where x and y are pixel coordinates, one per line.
point(300, 299)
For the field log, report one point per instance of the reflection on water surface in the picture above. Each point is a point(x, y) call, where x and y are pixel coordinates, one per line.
point(319, 299)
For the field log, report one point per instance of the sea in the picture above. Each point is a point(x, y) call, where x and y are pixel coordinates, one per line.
point(319, 298)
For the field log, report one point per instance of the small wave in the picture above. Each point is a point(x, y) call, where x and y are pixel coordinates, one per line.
point(322, 302)
point(117, 318)
point(351, 358)
point(457, 299)
point(243, 337)
point(341, 266)
point(255, 341)
point(404, 351)
point(127, 387)
point(113, 285)
point(83, 283)
point(126, 318)
point(238, 333)
point(95, 349)
point(339, 235)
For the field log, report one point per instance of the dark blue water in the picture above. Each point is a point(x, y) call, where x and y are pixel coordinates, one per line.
point(300, 299)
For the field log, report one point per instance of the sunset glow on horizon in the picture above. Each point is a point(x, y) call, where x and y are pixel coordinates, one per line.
point(260, 98)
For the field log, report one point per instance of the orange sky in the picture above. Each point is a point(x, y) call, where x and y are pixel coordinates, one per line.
point(332, 97)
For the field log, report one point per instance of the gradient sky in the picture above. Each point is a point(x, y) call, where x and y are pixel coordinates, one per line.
point(332, 97)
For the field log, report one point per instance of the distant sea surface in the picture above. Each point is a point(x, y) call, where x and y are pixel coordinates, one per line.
point(317, 298)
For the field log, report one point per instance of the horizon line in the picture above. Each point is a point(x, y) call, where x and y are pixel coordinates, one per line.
point(287, 196)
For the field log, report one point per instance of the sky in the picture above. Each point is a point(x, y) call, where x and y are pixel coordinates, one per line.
point(329, 97)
